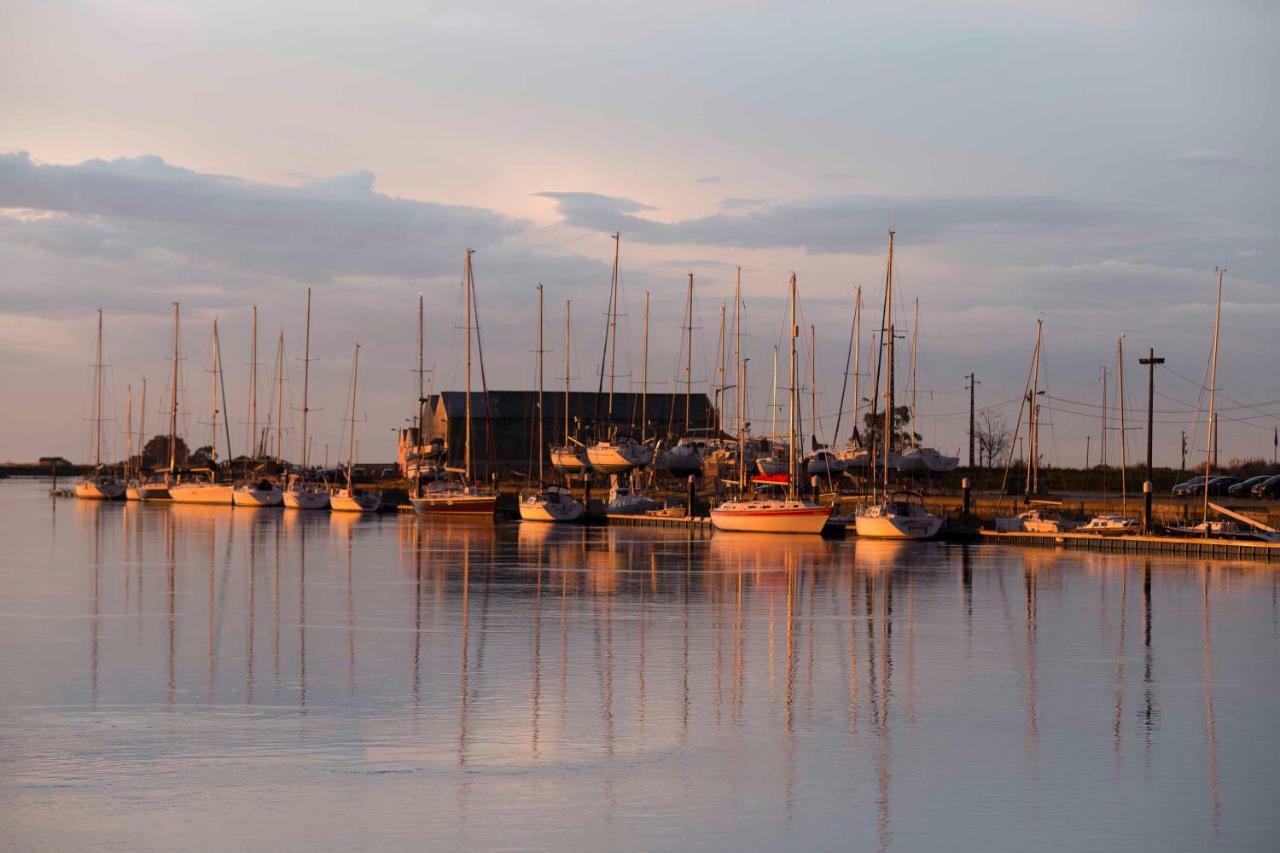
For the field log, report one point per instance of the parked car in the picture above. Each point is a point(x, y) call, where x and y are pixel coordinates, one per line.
point(1245, 488)
point(1183, 489)
point(1216, 487)
point(1269, 489)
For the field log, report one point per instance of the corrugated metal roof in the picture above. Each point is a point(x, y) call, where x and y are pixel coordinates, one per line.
point(583, 406)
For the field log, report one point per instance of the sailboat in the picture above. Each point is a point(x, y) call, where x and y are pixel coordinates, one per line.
point(616, 453)
point(156, 486)
point(569, 458)
point(347, 499)
point(684, 458)
point(302, 491)
point(453, 497)
point(133, 475)
point(552, 502)
point(899, 515)
point(1122, 524)
point(259, 491)
point(821, 461)
point(202, 486)
point(99, 484)
point(788, 514)
point(916, 459)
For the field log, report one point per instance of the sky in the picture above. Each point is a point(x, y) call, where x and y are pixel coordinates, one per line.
point(1087, 164)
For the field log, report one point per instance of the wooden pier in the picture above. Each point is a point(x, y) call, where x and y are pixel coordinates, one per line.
point(1180, 546)
point(691, 523)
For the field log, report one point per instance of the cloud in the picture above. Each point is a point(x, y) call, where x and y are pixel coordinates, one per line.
point(1223, 161)
point(847, 223)
point(314, 232)
point(709, 179)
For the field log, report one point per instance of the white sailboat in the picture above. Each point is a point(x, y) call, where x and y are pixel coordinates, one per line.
point(302, 491)
point(454, 497)
point(899, 515)
point(684, 458)
point(156, 486)
point(789, 514)
point(259, 491)
point(616, 453)
point(202, 485)
point(550, 503)
point(99, 484)
point(347, 499)
point(1122, 524)
point(569, 458)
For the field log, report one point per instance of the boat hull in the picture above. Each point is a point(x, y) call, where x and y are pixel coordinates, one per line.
point(201, 493)
point(765, 519)
point(149, 492)
point(306, 499)
point(569, 461)
point(897, 527)
point(562, 512)
point(102, 490)
point(258, 497)
point(456, 505)
point(613, 459)
point(344, 501)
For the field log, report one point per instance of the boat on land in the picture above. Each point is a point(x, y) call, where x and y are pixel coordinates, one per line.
point(1037, 520)
point(99, 484)
point(459, 496)
point(1111, 525)
point(899, 515)
point(551, 503)
point(788, 513)
point(347, 499)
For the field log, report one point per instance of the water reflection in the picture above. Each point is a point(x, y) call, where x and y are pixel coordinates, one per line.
point(616, 687)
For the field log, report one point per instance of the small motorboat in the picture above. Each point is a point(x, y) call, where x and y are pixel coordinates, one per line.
point(1111, 525)
point(900, 516)
point(263, 493)
point(554, 503)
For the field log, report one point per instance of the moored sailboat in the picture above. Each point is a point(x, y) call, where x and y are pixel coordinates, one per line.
point(549, 503)
point(301, 490)
point(99, 484)
point(789, 514)
point(898, 515)
point(202, 485)
point(347, 499)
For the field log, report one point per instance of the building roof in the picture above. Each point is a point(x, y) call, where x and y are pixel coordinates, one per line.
point(522, 405)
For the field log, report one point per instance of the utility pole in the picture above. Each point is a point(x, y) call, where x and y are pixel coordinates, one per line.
point(1182, 465)
point(1150, 361)
point(972, 432)
point(1087, 440)
point(1102, 459)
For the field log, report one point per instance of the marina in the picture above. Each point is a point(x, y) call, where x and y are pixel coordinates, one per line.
point(179, 673)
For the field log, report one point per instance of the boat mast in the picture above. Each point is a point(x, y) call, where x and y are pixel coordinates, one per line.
point(915, 344)
point(813, 384)
point(611, 329)
point(421, 372)
point(773, 399)
point(1213, 388)
point(742, 380)
point(644, 376)
point(306, 378)
point(351, 436)
point(1033, 418)
point(688, 356)
point(128, 429)
point(1124, 461)
point(173, 398)
point(723, 376)
point(857, 352)
point(142, 425)
point(567, 344)
point(467, 446)
point(791, 400)
point(541, 416)
point(888, 381)
point(220, 377)
point(213, 424)
point(280, 398)
point(97, 397)
point(252, 443)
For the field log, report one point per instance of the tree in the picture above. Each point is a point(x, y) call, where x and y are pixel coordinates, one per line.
point(156, 452)
point(873, 428)
point(993, 436)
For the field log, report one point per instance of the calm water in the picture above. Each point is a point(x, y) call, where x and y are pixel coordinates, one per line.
point(201, 679)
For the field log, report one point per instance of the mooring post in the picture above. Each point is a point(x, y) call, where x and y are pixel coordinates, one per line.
point(691, 495)
point(586, 491)
point(1146, 506)
point(964, 486)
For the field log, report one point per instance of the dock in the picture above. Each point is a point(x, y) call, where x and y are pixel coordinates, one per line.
point(1181, 546)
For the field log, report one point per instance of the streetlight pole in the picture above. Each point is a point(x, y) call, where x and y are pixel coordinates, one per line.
point(1150, 361)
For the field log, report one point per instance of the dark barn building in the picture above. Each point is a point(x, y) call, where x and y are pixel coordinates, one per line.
point(513, 421)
